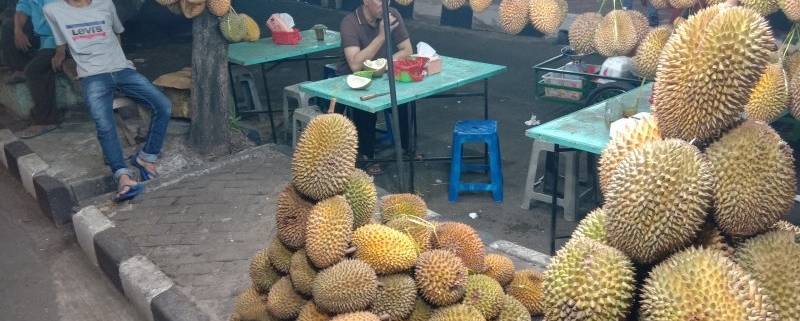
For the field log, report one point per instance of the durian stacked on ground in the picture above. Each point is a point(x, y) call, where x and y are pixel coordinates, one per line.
point(546, 16)
point(695, 195)
point(235, 27)
point(340, 253)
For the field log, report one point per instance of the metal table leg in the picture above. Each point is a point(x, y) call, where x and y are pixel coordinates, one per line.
point(308, 68)
point(233, 90)
point(553, 203)
point(269, 105)
point(412, 144)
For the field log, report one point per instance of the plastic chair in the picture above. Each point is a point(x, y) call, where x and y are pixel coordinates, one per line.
point(483, 131)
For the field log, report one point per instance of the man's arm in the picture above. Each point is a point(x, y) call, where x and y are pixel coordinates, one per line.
point(356, 56)
point(404, 49)
point(58, 57)
point(20, 38)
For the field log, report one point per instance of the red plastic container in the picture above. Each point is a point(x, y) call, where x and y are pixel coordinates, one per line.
point(410, 69)
point(287, 38)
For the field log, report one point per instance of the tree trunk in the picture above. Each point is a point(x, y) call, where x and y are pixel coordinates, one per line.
point(210, 132)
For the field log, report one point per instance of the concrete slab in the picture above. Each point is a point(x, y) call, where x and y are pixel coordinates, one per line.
point(18, 99)
point(88, 222)
point(142, 281)
point(30, 166)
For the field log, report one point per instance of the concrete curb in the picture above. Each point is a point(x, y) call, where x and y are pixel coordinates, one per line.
point(151, 291)
point(53, 196)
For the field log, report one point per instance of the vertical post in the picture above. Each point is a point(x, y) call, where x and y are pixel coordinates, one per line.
point(398, 148)
point(269, 104)
point(554, 203)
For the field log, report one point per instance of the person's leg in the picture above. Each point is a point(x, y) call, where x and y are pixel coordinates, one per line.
point(41, 82)
point(98, 93)
point(365, 126)
point(14, 58)
point(139, 88)
point(405, 125)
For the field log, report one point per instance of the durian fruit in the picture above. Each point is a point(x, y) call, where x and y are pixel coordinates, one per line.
point(581, 32)
point(325, 156)
point(630, 138)
point(302, 273)
point(694, 96)
point(232, 26)
point(219, 7)
point(420, 230)
point(362, 196)
point(291, 216)
point(404, 2)
point(328, 231)
point(387, 250)
point(396, 296)
point(484, 293)
point(457, 312)
point(657, 200)
point(648, 52)
point(681, 4)
point(770, 96)
point(453, 4)
point(755, 179)
point(786, 226)
point(357, 316)
point(251, 30)
point(251, 306)
point(191, 10)
point(279, 255)
point(499, 267)
point(790, 8)
point(640, 24)
point(398, 205)
point(659, 4)
point(479, 6)
point(711, 238)
point(773, 260)
point(590, 279)
point(678, 21)
point(547, 15)
point(348, 286)
point(310, 312)
point(616, 34)
point(592, 226)
point(527, 288)
point(513, 15)
point(792, 64)
point(763, 7)
point(422, 311)
point(704, 284)
point(262, 273)
point(462, 240)
point(794, 93)
point(441, 277)
point(512, 310)
point(282, 301)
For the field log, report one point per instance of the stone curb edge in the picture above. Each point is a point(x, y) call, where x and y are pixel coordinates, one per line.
point(54, 197)
point(150, 290)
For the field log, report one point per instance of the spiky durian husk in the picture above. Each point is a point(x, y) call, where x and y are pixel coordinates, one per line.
point(770, 96)
point(657, 200)
point(547, 15)
point(362, 196)
point(291, 216)
point(754, 179)
point(499, 267)
point(791, 64)
point(191, 9)
point(794, 97)
point(462, 240)
point(791, 8)
point(616, 34)
point(711, 238)
point(251, 306)
point(219, 7)
point(786, 226)
point(325, 156)
point(348, 286)
point(528, 287)
point(479, 6)
point(396, 297)
point(706, 71)
point(649, 51)
point(282, 301)
point(581, 32)
point(440, 277)
point(660, 4)
point(630, 138)
point(262, 274)
point(310, 312)
point(404, 2)
point(387, 250)
point(678, 22)
point(420, 230)
point(728, 292)
point(773, 259)
point(251, 30)
point(302, 273)
point(232, 27)
point(681, 4)
point(513, 15)
point(453, 4)
point(457, 312)
point(512, 310)
point(593, 226)
point(640, 24)
point(328, 231)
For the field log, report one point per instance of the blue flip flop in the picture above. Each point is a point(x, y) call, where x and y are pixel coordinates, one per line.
point(143, 173)
point(133, 190)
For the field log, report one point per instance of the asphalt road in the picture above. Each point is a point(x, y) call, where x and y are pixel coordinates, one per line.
point(44, 275)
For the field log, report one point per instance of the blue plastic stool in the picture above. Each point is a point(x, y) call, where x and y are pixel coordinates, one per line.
point(484, 131)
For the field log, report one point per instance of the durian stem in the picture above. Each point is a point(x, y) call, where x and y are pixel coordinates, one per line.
point(602, 4)
point(350, 250)
point(788, 42)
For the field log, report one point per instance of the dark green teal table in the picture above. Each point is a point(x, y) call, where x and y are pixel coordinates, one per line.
point(455, 73)
point(265, 51)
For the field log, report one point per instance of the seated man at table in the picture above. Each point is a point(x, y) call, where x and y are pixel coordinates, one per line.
point(363, 38)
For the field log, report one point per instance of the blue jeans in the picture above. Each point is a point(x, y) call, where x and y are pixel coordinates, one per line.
point(652, 12)
point(98, 92)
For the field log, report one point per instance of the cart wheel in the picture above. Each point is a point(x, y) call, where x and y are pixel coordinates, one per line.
point(606, 91)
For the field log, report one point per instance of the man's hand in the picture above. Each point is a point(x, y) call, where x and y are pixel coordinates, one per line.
point(57, 60)
point(21, 40)
point(393, 23)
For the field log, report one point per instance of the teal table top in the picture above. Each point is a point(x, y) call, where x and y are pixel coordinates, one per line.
point(586, 129)
point(455, 73)
point(264, 50)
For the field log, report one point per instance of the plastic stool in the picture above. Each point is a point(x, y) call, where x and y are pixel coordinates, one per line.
point(301, 117)
point(244, 78)
point(484, 131)
point(295, 93)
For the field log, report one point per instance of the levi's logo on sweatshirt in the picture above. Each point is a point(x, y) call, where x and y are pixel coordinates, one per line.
point(87, 30)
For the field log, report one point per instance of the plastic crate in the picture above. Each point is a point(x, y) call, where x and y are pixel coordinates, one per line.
point(559, 85)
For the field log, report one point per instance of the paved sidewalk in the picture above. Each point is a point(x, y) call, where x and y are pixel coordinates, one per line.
point(202, 231)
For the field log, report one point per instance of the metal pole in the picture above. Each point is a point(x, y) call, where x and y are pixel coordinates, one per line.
point(398, 148)
point(554, 203)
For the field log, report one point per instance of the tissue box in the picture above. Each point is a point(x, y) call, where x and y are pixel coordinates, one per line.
point(434, 65)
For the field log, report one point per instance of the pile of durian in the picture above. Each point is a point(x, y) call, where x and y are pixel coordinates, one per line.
point(235, 27)
point(342, 254)
point(692, 227)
